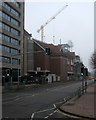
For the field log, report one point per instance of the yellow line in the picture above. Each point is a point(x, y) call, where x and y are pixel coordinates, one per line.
point(72, 116)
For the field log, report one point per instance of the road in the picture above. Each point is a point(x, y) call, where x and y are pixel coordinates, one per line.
point(40, 102)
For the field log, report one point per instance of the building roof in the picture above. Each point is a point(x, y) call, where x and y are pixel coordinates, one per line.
point(27, 34)
point(55, 49)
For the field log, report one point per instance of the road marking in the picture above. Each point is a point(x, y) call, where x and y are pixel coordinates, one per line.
point(54, 105)
point(68, 115)
point(55, 111)
point(50, 114)
point(44, 110)
point(17, 99)
point(32, 116)
point(46, 117)
point(33, 95)
point(10, 98)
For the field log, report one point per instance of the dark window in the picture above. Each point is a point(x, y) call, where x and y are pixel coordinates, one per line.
point(16, 4)
point(14, 12)
point(15, 61)
point(15, 22)
point(6, 38)
point(5, 5)
point(14, 51)
point(6, 27)
point(15, 32)
point(14, 41)
point(5, 49)
point(5, 16)
point(5, 59)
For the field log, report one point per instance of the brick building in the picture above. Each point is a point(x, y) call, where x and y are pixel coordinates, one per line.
point(59, 64)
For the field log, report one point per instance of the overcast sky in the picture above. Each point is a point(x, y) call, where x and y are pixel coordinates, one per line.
point(75, 23)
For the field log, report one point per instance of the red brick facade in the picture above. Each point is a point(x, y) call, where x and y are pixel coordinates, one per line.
point(57, 63)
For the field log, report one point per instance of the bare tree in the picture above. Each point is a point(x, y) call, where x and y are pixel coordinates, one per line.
point(93, 60)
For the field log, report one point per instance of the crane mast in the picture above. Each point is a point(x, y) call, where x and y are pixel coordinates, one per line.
point(48, 21)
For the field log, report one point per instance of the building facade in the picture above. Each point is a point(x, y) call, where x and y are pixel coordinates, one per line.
point(77, 67)
point(28, 52)
point(58, 66)
point(11, 38)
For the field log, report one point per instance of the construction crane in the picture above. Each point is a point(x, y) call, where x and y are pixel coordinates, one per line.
point(53, 17)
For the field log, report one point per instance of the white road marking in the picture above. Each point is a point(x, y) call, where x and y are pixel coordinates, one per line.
point(54, 105)
point(32, 116)
point(17, 99)
point(46, 117)
point(33, 95)
point(10, 98)
point(50, 114)
point(55, 111)
point(44, 110)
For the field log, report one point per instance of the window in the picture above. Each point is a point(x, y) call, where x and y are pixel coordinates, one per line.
point(9, 39)
point(5, 49)
point(68, 62)
point(6, 27)
point(15, 61)
point(6, 38)
point(15, 3)
point(6, 6)
point(71, 68)
point(13, 21)
point(15, 32)
point(71, 62)
point(5, 59)
point(5, 16)
point(14, 51)
point(14, 12)
point(14, 41)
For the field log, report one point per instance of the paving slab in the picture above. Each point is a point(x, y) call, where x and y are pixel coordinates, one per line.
point(84, 105)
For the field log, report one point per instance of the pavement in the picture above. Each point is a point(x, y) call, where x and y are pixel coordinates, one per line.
point(83, 106)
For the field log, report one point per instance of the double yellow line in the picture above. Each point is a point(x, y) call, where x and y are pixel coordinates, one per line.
point(71, 116)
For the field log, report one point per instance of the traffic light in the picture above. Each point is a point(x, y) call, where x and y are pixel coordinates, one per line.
point(86, 71)
point(9, 72)
point(47, 51)
point(82, 71)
